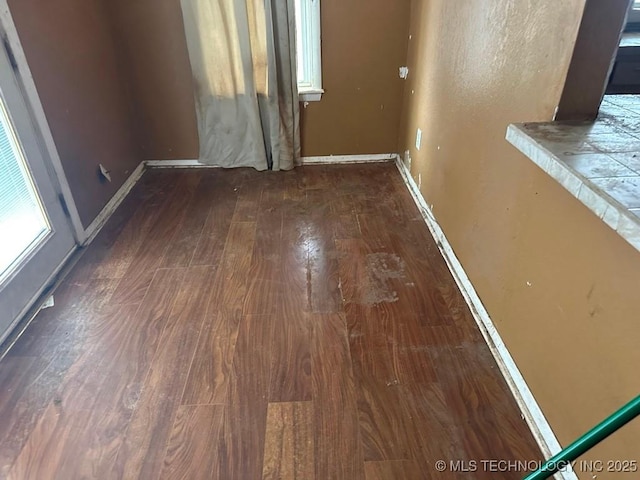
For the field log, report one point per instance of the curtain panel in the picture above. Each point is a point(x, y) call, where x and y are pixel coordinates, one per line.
point(243, 61)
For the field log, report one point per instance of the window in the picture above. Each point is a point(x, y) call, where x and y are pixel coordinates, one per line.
point(21, 212)
point(308, 49)
point(634, 16)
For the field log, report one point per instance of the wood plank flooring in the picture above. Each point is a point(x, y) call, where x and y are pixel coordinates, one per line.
point(231, 324)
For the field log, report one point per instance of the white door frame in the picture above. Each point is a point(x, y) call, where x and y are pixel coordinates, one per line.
point(25, 79)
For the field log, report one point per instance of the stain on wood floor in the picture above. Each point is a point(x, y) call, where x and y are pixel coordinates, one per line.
point(230, 324)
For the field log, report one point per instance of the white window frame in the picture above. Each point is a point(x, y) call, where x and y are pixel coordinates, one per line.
point(308, 27)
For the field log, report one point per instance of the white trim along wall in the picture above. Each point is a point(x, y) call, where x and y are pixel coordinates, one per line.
point(327, 160)
point(94, 228)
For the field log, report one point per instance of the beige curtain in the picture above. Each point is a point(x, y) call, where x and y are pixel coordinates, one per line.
point(243, 62)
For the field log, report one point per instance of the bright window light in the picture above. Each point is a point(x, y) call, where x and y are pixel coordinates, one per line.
point(22, 220)
point(308, 49)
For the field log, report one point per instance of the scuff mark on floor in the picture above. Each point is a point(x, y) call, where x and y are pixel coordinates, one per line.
point(382, 267)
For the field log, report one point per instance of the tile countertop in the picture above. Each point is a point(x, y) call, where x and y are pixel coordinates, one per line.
point(598, 163)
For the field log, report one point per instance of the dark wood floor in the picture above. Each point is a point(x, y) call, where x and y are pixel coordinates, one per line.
point(230, 324)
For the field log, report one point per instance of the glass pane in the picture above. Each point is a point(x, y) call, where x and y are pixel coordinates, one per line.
point(299, 41)
point(22, 220)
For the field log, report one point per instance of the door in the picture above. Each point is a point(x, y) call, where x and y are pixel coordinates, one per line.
point(35, 233)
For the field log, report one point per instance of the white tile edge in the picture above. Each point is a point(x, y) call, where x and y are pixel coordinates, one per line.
point(94, 228)
point(343, 159)
point(529, 408)
point(599, 202)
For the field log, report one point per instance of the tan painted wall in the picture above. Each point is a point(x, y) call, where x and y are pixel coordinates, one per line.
point(72, 55)
point(153, 52)
point(559, 284)
point(115, 82)
point(364, 42)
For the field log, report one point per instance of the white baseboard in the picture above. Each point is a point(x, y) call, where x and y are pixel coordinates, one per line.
point(94, 228)
point(341, 159)
point(177, 164)
point(530, 409)
point(326, 160)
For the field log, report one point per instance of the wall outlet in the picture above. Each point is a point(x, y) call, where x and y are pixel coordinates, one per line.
point(418, 139)
point(407, 159)
point(404, 72)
